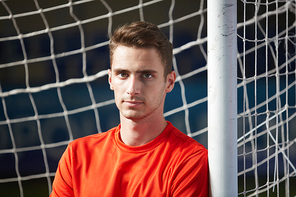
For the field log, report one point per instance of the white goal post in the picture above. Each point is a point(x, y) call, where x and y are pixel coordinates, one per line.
point(222, 97)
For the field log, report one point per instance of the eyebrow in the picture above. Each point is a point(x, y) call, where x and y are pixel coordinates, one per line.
point(140, 71)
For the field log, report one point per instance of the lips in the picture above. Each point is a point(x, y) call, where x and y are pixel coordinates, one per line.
point(133, 103)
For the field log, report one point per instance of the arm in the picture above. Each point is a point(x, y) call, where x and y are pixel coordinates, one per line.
point(191, 177)
point(62, 185)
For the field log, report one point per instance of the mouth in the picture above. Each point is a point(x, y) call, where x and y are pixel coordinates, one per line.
point(133, 103)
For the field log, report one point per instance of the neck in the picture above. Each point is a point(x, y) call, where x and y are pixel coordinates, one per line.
point(140, 132)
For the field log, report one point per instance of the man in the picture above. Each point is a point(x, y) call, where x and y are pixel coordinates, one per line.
point(145, 155)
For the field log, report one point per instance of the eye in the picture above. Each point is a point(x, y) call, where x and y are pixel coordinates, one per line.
point(123, 75)
point(147, 76)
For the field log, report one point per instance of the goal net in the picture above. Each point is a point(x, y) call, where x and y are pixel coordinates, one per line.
point(266, 98)
point(53, 84)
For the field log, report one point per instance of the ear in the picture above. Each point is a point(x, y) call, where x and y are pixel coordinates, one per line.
point(110, 79)
point(171, 78)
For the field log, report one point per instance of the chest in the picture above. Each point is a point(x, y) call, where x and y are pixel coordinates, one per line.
point(117, 173)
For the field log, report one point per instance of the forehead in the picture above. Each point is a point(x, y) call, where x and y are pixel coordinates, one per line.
point(135, 57)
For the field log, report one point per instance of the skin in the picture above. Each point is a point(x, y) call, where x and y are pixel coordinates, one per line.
point(137, 79)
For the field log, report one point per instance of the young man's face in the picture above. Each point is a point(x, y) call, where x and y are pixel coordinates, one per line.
point(137, 78)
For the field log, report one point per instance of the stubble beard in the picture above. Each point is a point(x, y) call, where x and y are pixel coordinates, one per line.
point(136, 115)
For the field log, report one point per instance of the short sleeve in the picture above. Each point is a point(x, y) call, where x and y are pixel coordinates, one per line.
point(191, 177)
point(62, 184)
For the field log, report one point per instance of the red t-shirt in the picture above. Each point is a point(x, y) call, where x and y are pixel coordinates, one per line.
point(172, 164)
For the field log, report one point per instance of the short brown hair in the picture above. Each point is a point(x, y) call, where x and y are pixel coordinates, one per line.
point(143, 34)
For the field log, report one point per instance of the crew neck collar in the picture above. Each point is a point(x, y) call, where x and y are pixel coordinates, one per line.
point(146, 147)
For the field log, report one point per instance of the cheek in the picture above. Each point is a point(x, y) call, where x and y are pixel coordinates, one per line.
point(156, 92)
point(118, 91)
point(117, 86)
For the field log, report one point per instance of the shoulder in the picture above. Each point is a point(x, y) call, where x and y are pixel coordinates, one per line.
point(93, 140)
point(184, 140)
point(185, 146)
point(189, 165)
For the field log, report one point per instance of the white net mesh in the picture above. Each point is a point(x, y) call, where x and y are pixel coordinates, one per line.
point(53, 84)
point(266, 95)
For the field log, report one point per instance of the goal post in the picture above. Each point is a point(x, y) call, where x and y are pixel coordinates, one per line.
point(222, 97)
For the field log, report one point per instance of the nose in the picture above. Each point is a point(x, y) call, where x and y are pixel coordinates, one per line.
point(133, 86)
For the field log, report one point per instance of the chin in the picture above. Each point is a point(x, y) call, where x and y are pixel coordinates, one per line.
point(134, 116)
